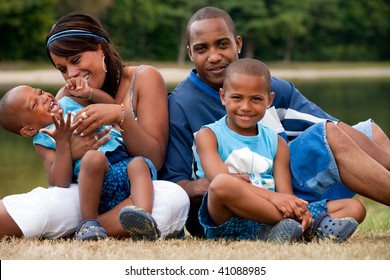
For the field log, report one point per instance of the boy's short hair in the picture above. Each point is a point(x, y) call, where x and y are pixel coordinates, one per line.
point(210, 13)
point(251, 67)
point(8, 114)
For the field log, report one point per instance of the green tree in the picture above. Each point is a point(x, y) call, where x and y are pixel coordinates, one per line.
point(176, 14)
point(129, 22)
point(155, 29)
point(93, 7)
point(346, 30)
point(23, 26)
point(365, 28)
point(252, 22)
point(287, 21)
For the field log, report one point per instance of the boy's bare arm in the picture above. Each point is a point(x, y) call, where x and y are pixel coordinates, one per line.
point(207, 148)
point(79, 89)
point(282, 175)
point(58, 163)
point(289, 204)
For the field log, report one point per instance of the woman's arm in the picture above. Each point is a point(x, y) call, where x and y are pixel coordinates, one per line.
point(96, 95)
point(148, 135)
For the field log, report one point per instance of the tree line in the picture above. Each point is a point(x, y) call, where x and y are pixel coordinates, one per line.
point(288, 30)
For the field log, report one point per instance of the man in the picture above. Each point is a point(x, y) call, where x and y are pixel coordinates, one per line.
point(323, 153)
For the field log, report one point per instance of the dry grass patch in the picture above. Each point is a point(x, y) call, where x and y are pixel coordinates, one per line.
point(362, 246)
point(370, 242)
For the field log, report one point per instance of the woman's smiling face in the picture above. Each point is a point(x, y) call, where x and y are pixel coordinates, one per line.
point(87, 64)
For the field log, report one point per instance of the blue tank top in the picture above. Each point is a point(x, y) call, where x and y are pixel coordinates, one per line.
point(252, 155)
point(68, 104)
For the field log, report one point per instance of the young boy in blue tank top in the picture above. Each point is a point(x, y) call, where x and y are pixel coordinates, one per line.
point(247, 164)
point(105, 175)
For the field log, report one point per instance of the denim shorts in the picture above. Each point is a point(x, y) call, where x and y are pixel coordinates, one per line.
point(237, 228)
point(314, 171)
point(116, 185)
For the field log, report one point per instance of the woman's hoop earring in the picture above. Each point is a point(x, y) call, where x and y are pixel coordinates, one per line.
point(104, 64)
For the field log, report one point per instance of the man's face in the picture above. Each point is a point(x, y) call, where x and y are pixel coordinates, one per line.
point(212, 48)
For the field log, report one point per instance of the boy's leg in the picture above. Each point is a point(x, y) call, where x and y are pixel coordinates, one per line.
point(231, 210)
point(229, 196)
point(170, 210)
point(141, 184)
point(333, 219)
point(136, 219)
point(93, 167)
point(343, 208)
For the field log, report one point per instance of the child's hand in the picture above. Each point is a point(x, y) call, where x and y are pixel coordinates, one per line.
point(242, 176)
point(293, 207)
point(63, 130)
point(78, 87)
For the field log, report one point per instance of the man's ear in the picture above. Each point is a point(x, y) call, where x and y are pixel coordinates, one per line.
point(26, 131)
point(189, 52)
point(222, 96)
point(239, 44)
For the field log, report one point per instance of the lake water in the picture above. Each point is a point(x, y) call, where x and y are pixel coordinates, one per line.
point(349, 100)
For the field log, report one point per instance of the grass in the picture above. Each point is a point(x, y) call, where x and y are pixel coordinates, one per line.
point(370, 242)
point(369, 246)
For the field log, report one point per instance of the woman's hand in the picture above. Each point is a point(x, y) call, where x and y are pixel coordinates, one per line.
point(96, 115)
point(81, 144)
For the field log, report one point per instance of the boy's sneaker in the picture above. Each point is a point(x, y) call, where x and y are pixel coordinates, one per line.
point(287, 230)
point(178, 234)
point(138, 223)
point(326, 227)
point(90, 230)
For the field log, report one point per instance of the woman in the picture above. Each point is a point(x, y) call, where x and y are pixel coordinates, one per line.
point(78, 46)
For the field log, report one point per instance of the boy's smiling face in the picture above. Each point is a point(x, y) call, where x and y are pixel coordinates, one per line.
point(246, 99)
point(33, 107)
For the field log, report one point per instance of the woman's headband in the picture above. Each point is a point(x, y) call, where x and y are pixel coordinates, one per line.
point(72, 33)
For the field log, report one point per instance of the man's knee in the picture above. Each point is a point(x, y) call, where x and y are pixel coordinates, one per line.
point(332, 130)
point(336, 137)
